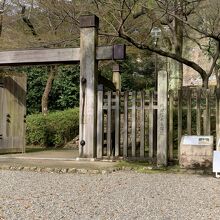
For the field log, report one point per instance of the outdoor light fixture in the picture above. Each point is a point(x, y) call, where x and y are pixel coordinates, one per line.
point(155, 33)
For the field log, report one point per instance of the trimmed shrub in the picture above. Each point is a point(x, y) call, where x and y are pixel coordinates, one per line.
point(54, 129)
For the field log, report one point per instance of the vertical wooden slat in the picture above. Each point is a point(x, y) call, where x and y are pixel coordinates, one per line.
point(133, 132)
point(100, 123)
point(1, 104)
point(171, 107)
point(24, 110)
point(4, 103)
point(125, 144)
point(9, 104)
point(117, 123)
point(109, 122)
point(198, 111)
point(16, 135)
point(151, 122)
point(217, 119)
point(179, 120)
point(189, 112)
point(142, 125)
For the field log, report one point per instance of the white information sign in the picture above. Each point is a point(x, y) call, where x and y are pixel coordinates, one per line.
point(216, 163)
point(197, 140)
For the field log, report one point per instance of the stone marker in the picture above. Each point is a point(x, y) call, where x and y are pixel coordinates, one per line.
point(196, 151)
point(162, 119)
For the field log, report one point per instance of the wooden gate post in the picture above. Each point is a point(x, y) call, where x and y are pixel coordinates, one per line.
point(162, 119)
point(88, 86)
point(116, 78)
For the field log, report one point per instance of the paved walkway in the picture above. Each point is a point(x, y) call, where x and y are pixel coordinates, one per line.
point(52, 159)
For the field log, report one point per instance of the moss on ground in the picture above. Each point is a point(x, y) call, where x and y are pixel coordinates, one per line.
point(144, 167)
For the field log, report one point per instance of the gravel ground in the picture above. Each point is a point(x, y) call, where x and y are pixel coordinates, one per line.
point(120, 195)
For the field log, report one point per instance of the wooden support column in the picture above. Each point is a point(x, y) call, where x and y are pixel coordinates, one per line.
point(116, 78)
point(100, 122)
point(162, 119)
point(88, 86)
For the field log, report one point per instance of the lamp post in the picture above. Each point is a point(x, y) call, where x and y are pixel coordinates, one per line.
point(155, 33)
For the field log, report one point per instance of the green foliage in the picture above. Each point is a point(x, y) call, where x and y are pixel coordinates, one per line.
point(65, 89)
point(137, 73)
point(36, 81)
point(54, 129)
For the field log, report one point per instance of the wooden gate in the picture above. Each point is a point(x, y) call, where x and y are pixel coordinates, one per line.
point(128, 125)
point(12, 113)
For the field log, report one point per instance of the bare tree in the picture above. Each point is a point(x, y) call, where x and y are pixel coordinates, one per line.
point(52, 70)
point(180, 16)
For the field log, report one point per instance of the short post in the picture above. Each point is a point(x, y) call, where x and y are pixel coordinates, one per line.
point(162, 119)
point(116, 78)
point(88, 86)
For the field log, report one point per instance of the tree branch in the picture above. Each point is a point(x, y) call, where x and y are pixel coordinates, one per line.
point(215, 58)
point(173, 56)
point(27, 21)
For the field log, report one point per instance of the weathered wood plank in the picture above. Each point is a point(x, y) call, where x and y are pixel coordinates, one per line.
point(133, 129)
point(109, 124)
point(51, 56)
point(162, 119)
point(24, 110)
point(125, 141)
point(39, 56)
point(1, 104)
point(100, 122)
point(142, 125)
point(207, 116)
point(217, 119)
point(117, 123)
point(151, 124)
point(171, 109)
point(180, 113)
point(198, 112)
point(189, 112)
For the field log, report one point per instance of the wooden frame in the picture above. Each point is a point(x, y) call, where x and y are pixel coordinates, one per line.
point(88, 55)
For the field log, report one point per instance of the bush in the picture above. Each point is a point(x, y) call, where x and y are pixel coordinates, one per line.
point(54, 129)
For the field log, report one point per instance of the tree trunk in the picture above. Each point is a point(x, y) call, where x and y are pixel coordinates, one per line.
point(205, 83)
point(176, 68)
point(2, 7)
point(45, 96)
point(217, 75)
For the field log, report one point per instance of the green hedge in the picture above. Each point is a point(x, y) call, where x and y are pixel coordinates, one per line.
point(54, 129)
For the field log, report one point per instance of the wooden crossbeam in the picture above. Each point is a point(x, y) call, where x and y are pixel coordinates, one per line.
point(53, 56)
point(106, 82)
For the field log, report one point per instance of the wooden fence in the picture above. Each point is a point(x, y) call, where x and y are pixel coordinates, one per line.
point(128, 121)
point(193, 111)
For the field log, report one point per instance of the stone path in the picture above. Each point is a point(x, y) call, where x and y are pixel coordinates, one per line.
point(119, 195)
